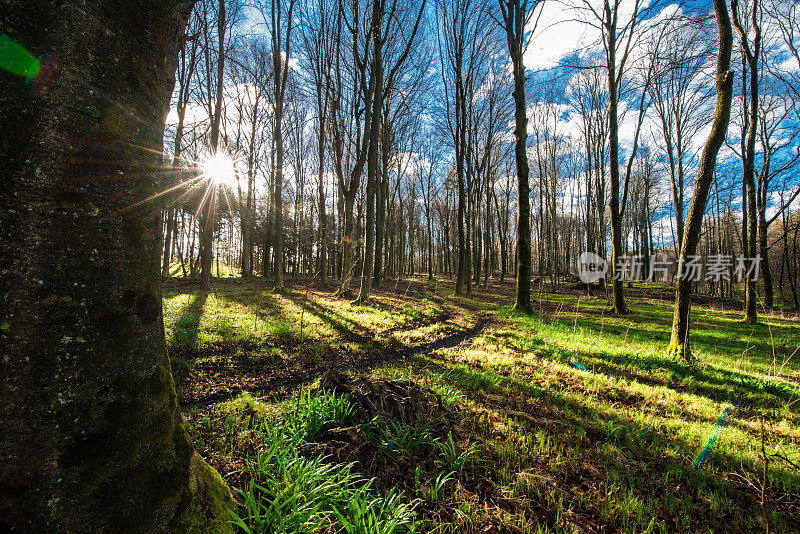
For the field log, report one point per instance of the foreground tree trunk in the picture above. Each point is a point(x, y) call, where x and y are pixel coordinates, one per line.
point(679, 344)
point(92, 439)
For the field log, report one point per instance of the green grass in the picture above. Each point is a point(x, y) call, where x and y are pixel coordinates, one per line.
point(243, 313)
point(287, 493)
point(590, 421)
point(558, 447)
point(218, 269)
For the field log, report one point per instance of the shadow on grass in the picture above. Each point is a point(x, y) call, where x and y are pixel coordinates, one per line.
point(187, 325)
point(346, 327)
point(712, 380)
point(657, 468)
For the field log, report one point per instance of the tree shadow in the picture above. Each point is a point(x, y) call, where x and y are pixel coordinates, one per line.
point(344, 326)
point(606, 444)
point(743, 390)
point(188, 323)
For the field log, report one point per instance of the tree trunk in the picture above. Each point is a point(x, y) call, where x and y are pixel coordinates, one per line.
point(247, 214)
point(381, 192)
point(323, 223)
point(279, 230)
point(376, 81)
point(514, 33)
point(679, 343)
point(763, 251)
point(614, 204)
point(208, 212)
point(752, 57)
point(92, 438)
point(171, 214)
point(430, 241)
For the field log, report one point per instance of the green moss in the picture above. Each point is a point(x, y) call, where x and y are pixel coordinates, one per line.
point(208, 502)
point(87, 391)
point(131, 461)
point(680, 352)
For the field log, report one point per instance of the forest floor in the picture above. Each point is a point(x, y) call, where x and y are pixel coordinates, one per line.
point(454, 414)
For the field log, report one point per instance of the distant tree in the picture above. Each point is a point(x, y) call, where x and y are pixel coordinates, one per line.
point(621, 25)
point(679, 101)
point(751, 55)
point(189, 55)
point(280, 19)
point(427, 176)
point(392, 25)
point(92, 438)
point(464, 32)
point(318, 51)
point(252, 68)
point(208, 208)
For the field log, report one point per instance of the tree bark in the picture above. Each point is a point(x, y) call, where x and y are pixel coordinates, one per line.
point(613, 136)
point(376, 81)
point(92, 438)
point(513, 17)
point(679, 343)
point(752, 56)
point(280, 65)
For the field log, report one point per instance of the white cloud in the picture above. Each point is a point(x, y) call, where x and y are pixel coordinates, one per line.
point(566, 27)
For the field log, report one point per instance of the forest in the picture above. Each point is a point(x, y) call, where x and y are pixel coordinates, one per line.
point(376, 267)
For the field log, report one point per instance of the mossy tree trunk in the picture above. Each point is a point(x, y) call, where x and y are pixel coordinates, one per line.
point(92, 439)
point(515, 14)
point(679, 344)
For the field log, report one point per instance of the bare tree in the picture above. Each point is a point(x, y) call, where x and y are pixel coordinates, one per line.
point(281, 22)
point(679, 342)
point(751, 54)
point(515, 18)
point(678, 97)
point(620, 33)
point(319, 48)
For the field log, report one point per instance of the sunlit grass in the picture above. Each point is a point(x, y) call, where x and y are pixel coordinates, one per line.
point(545, 431)
point(527, 360)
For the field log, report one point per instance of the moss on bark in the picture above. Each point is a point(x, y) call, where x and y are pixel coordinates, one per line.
point(107, 450)
point(680, 352)
point(205, 505)
point(92, 438)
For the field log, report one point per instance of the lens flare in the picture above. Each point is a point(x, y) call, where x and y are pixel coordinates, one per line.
point(712, 438)
point(218, 167)
point(17, 60)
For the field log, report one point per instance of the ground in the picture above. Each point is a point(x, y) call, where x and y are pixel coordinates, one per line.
point(455, 414)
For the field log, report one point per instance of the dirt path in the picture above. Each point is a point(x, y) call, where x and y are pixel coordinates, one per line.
point(384, 354)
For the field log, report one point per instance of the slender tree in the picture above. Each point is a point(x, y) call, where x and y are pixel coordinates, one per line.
point(281, 23)
point(386, 21)
point(751, 56)
point(679, 343)
point(515, 16)
point(208, 209)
